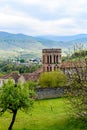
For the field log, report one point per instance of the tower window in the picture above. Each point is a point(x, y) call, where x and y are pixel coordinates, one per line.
point(57, 59)
point(50, 68)
point(47, 59)
point(54, 58)
point(50, 59)
point(47, 69)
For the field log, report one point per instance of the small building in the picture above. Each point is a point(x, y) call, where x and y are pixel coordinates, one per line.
point(21, 77)
point(15, 76)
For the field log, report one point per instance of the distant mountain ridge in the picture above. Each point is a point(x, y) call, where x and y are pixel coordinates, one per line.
point(12, 45)
point(64, 38)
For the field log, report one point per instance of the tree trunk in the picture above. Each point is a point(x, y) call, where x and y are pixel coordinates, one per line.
point(13, 119)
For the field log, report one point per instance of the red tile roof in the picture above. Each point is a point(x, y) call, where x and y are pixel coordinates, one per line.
point(13, 75)
point(73, 64)
point(33, 76)
point(27, 76)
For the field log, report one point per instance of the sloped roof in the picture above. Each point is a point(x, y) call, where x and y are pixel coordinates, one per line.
point(27, 76)
point(73, 64)
point(33, 76)
point(12, 75)
point(40, 70)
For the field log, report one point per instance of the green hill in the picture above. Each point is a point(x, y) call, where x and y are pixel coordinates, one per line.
point(12, 45)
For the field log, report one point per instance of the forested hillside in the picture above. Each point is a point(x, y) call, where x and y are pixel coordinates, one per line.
point(12, 45)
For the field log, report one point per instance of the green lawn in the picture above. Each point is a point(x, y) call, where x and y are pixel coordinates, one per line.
point(43, 117)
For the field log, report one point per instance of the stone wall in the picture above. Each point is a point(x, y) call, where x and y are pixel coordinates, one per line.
point(43, 93)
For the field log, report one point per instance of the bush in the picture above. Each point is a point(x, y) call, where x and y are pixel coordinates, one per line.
point(53, 79)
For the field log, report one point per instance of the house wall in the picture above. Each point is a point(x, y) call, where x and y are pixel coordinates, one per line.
point(4, 80)
point(21, 79)
point(1, 82)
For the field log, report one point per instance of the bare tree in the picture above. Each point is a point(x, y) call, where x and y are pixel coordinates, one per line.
point(78, 88)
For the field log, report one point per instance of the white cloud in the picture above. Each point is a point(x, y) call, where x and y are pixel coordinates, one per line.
point(34, 25)
point(31, 2)
point(37, 17)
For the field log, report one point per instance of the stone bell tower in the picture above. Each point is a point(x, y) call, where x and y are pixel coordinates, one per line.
point(51, 59)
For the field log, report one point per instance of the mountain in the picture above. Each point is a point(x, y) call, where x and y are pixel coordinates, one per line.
point(12, 45)
point(64, 38)
point(17, 44)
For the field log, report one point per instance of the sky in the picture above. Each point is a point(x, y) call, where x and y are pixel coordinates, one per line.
point(44, 17)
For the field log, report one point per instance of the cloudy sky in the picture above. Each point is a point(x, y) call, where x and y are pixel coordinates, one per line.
point(44, 17)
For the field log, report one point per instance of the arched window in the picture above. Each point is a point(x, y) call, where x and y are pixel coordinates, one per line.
point(50, 59)
point(54, 58)
point(57, 59)
point(47, 69)
point(50, 68)
point(47, 59)
point(54, 68)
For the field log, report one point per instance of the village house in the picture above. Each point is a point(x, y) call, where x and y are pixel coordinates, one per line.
point(21, 77)
point(51, 61)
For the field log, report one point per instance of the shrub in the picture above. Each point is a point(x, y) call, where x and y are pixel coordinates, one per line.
point(53, 79)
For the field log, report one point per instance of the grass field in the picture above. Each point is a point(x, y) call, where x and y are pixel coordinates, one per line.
point(43, 117)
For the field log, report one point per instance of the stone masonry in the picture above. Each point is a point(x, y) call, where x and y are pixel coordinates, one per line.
point(51, 59)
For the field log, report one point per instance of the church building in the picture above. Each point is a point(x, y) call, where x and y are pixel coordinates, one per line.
point(51, 59)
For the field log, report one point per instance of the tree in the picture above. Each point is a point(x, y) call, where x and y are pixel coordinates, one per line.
point(78, 90)
point(53, 79)
point(22, 60)
point(14, 97)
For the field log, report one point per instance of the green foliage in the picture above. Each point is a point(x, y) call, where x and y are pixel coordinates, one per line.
point(1, 74)
point(22, 61)
point(32, 84)
point(34, 67)
point(79, 53)
point(6, 67)
point(78, 89)
point(31, 87)
point(14, 97)
point(53, 79)
point(78, 98)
